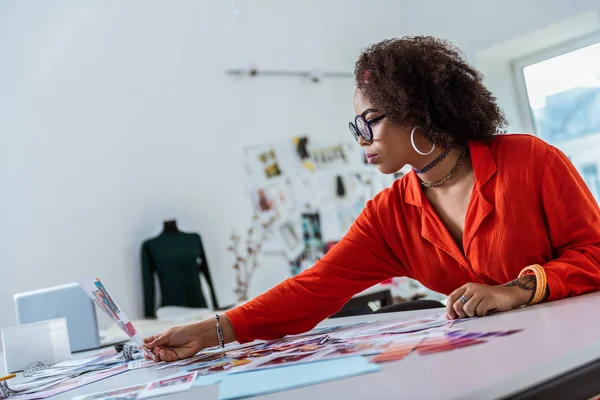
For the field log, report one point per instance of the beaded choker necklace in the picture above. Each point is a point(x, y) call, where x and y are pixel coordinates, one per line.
point(459, 161)
point(435, 162)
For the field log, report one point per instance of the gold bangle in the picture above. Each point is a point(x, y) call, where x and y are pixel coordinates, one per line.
point(540, 277)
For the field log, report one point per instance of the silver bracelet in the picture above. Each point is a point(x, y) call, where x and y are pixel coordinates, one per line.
point(219, 332)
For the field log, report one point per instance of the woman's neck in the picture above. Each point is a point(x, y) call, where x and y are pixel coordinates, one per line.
point(444, 167)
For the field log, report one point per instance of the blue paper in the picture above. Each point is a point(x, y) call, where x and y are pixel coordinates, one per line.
point(210, 379)
point(253, 383)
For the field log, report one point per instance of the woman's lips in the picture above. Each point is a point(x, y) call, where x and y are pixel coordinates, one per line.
point(371, 158)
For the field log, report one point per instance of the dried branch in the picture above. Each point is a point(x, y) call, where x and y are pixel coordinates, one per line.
point(246, 262)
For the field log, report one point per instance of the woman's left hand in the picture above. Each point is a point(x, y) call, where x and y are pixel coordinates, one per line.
point(474, 299)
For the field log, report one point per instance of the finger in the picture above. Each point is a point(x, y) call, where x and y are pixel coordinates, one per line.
point(160, 340)
point(458, 309)
point(459, 304)
point(454, 296)
point(151, 358)
point(149, 339)
point(160, 354)
point(470, 306)
point(169, 355)
point(484, 307)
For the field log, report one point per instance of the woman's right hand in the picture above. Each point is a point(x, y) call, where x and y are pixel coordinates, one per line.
point(185, 341)
point(176, 343)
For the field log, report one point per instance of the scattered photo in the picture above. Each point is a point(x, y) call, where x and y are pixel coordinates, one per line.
point(170, 385)
point(330, 329)
point(479, 335)
point(288, 359)
point(224, 364)
point(128, 393)
point(410, 326)
point(438, 345)
point(397, 351)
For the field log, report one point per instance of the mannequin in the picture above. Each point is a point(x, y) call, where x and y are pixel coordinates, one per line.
point(176, 258)
point(170, 226)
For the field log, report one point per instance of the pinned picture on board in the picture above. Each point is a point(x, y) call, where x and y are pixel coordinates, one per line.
point(270, 165)
point(301, 143)
point(316, 157)
point(311, 233)
point(262, 201)
point(282, 196)
point(278, 199)
point(264, 167)
point(289, 234)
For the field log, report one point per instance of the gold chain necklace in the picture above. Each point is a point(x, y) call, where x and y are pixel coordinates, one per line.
point(461, 157)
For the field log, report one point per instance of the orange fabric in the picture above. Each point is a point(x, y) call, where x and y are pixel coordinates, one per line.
point(529, 206)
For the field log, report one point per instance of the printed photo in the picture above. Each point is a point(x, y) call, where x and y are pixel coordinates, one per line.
point(106, 297)
point(294, 343)
point(397, 351)
point(170, 385)
point(252, 354)
point(171, 382)
point(82, 380)
point(129, 393)
point(283, 199)
point(330, 329)
point(269, 161)
point(410, 326)
point(272, 170)
point(217, 366)
point(263, 202)
point(287, 359)
point(100, 300)
point(432, 346)
point(98, 293)
point(204, 359)
point(289, 235)
point(311, 231)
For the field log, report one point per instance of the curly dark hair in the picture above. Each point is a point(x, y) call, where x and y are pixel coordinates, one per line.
point(426, 81)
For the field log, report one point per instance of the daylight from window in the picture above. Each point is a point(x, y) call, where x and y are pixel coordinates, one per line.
point(564, 100)
point(564, 94)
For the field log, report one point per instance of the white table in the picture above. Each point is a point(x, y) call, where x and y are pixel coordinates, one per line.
point(559, 337)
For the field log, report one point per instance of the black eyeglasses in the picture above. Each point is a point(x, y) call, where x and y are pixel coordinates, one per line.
point(361, 127)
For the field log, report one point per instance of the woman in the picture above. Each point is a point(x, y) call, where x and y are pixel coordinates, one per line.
point(494, 221)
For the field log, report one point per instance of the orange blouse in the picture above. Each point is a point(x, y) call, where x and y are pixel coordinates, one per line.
point(529, 206)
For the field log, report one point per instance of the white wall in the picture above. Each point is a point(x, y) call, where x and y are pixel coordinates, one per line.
point(116, 115)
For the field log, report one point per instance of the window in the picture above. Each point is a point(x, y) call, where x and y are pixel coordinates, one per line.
point(560, 95)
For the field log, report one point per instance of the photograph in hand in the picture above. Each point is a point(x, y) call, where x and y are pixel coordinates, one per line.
point(98, 293)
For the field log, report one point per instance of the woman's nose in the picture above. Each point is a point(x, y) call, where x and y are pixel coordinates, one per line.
point(362, 142)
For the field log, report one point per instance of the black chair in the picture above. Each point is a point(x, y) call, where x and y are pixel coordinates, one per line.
point(361, 305)
point(410, 306)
